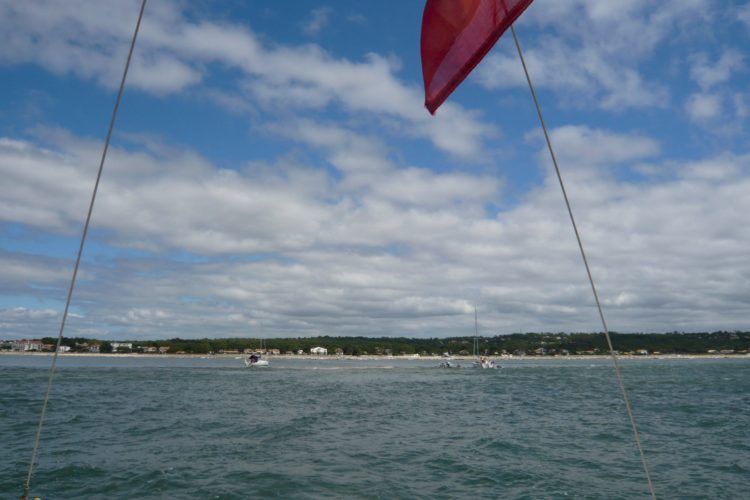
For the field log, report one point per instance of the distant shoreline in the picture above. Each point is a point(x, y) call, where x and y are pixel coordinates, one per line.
point(380, 358)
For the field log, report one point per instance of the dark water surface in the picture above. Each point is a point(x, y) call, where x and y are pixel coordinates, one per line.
point(210, 428)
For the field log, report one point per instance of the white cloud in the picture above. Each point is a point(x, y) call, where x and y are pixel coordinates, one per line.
point(708, 75)
point(356, 18)
point(28, 322)
point(743, 14)
point(703, 107)
point(154, 201)
point(579, 146)
point(591, 51)
point(740, 106)
point(162, 74)
point(368, 171)
point(345, 234)
point(43, 279)
point(407, 255)
point(173, 199)
point(173, 52)
point(318, 20)
point(423, 188)
point(28, 313)
point(706, 106)
point(580, 74)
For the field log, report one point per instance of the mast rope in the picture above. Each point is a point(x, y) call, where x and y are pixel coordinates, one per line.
point(27, 484)
point(616, 364)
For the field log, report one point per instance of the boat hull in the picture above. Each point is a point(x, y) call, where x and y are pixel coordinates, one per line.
point(256, 364)
point(486, 364)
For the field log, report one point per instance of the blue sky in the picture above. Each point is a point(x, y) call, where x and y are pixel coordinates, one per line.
point(274, 173)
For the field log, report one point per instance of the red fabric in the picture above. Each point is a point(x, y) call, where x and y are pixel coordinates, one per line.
point(456, 35)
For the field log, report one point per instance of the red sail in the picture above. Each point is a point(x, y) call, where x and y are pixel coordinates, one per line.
point(456, 35)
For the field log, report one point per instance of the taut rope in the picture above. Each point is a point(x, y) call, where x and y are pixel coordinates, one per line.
point(624, 392)
point(27, 485)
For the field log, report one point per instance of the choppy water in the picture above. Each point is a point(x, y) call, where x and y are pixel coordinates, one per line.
point(209, 428)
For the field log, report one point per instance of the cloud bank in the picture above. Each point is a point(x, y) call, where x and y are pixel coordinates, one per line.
point(374, 218)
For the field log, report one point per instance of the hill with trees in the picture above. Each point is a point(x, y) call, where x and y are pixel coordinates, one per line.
point(518, 343)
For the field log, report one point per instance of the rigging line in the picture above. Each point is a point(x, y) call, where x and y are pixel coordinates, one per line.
point(476, 333)
point(27, 485)
point(624, 392)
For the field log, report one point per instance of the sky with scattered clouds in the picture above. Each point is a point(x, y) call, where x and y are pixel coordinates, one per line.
point(273, 171)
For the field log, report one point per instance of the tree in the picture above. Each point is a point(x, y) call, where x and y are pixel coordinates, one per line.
point(201, 347)
point(105, 347)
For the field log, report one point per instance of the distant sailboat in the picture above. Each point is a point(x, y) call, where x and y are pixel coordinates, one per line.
point(255, 360)
point(481, 361)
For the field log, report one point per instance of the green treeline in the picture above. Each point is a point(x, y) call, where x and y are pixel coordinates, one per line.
point(517, 343)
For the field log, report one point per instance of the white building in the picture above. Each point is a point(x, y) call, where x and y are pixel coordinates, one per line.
point(26, 345)
point(318, 350)
point(121, 345)
point(51, 348)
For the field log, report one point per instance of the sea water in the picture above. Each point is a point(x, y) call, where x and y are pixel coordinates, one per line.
point(142, 427)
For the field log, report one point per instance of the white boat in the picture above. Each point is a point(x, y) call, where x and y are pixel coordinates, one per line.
point(255, 361)
point(482, 362)
point(485, 363)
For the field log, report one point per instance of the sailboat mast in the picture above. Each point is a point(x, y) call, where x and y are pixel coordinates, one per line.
point(476, 333)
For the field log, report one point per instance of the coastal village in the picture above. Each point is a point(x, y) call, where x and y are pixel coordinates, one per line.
point(37, 345)
point(518, 345)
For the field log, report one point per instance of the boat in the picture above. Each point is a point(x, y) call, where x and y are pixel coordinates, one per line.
point(255, 361)
point(486, 363)
point(481, 361)
point(448, 362)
